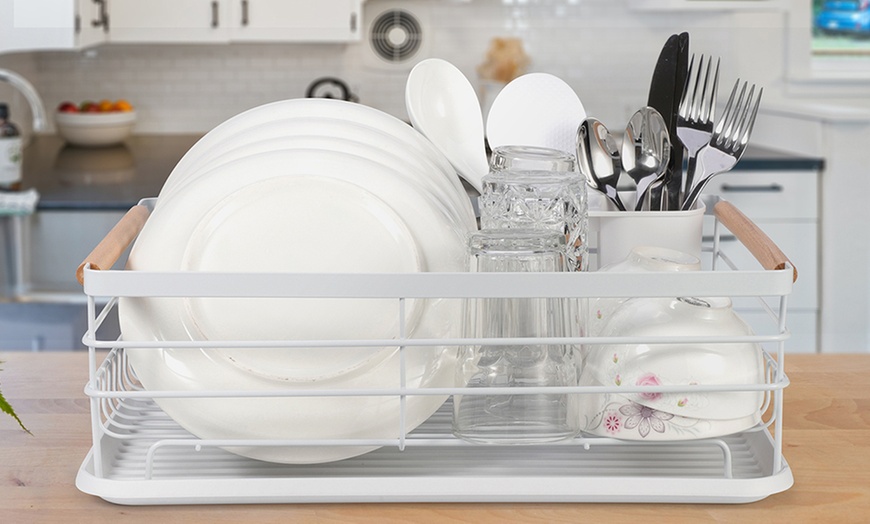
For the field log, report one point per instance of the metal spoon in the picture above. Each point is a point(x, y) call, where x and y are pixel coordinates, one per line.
point(598, 158)
point(646, 150)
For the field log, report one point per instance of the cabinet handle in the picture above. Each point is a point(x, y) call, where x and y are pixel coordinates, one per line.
point(215, 16)
point(772, 188)
point(102, 19)
point(244, 12)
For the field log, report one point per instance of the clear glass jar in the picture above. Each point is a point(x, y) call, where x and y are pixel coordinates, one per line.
point(537, 188)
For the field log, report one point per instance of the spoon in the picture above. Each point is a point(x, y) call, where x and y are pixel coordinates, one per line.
point(443, 106)
point(535, 109)
point(646, 150)
point(598, 158)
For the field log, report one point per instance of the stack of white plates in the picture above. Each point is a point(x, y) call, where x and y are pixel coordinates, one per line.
point(307, 185)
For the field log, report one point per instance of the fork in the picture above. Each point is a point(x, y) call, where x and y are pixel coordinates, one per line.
point(696, 114)
point(729, 139)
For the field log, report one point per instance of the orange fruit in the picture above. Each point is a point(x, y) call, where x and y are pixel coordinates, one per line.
point(122, 105)
point(105, 105)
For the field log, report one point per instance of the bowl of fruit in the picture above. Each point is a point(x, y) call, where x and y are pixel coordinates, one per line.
point(95, 124)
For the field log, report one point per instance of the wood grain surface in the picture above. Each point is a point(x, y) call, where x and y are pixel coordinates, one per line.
point(826, 441)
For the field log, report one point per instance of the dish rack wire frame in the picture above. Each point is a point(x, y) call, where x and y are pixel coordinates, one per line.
point(112, 383)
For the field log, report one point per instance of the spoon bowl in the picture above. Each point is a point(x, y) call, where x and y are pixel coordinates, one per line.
point(443, 106)
point(646, 150)
point(598, 159)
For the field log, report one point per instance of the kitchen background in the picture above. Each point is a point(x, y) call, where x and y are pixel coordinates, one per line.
point(605, 49)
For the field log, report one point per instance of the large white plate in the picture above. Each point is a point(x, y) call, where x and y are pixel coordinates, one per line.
point(339, 136)
point(247, 122)
point(194, 214)
point(231, 237)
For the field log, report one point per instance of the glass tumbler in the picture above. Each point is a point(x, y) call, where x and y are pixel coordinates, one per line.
point(517, 417)
point(537, 188)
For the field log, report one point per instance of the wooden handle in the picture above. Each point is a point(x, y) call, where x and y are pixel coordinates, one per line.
point(759, 244)
point(115, 242)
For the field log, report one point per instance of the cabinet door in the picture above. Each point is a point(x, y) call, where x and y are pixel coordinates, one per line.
point(169, 21)
point(30, 25)
point(92, 20)
point(296, 20)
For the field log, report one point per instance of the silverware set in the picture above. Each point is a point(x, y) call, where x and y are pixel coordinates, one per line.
point(712, 145)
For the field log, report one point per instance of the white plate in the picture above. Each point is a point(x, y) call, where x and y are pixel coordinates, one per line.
point(231, 238)
point(285, 417)
point(189, 214)
point(340, 136)
point(234, 128)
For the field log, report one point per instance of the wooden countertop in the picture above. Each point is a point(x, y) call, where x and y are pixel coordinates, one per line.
point(826, 442)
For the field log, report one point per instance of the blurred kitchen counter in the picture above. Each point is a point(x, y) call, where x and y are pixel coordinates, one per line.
point(104, 178)
point(116, 177)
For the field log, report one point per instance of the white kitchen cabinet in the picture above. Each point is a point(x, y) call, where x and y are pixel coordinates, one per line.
point(169, 21)
point(296, 20)
point(30, 25)
point(784, 204)
point(204, 21)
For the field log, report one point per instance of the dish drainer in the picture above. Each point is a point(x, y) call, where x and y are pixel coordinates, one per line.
point(141, 456)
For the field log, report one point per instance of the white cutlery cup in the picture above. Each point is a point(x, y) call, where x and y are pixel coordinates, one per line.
point(615, 233)
point(517, 418)
point(537, 188)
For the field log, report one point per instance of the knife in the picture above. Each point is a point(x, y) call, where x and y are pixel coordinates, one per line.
point(675, 187)
point(664, 95)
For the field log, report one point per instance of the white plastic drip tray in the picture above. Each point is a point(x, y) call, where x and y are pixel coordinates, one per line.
point(435, 467)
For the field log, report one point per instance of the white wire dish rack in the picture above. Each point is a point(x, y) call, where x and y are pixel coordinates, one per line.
point(141, 456)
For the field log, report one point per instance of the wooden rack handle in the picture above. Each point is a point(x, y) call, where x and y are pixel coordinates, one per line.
point(759, 244)
point(115, 242)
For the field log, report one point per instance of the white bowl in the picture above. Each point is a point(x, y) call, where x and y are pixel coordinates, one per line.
point(640, 259)
point(616, 416)
point(95, 129)
point(684, 364)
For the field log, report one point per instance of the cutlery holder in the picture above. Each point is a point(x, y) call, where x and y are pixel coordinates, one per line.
point(140, 455)
point(616, 233)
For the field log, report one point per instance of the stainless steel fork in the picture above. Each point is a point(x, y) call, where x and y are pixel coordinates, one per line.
point(697, 113)
point(729, 139)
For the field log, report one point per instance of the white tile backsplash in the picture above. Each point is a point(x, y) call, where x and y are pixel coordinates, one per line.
point(605, 50)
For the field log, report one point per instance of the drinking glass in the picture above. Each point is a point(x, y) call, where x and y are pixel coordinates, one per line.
point(517, 417)
point(537, 188)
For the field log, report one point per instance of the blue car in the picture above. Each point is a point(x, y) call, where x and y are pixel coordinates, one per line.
point(845, 16)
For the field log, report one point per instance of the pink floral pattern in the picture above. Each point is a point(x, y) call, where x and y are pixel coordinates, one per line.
point(612, 422)
point(649, 379)
point(644, 418)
